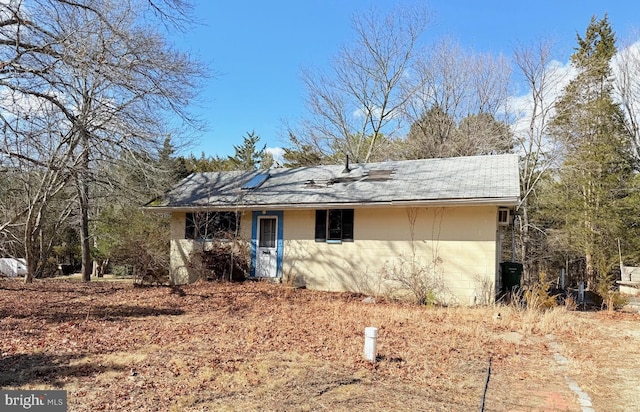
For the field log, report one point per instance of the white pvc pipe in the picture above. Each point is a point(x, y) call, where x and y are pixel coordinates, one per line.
point(370, 338)
point(581, 292)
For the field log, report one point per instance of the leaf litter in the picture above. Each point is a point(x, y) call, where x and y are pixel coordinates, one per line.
point(263, 346)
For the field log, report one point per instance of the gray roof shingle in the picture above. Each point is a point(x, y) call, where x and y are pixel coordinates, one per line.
point(477, 179)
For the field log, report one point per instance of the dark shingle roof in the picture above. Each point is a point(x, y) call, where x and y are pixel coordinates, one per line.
point(478, 179)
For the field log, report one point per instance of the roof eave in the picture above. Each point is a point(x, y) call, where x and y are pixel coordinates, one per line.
point(491, 201)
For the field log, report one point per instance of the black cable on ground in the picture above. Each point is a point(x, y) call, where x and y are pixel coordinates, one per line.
point(486, 387)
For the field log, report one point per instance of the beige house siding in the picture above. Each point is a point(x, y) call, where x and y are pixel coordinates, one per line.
point(456, 245)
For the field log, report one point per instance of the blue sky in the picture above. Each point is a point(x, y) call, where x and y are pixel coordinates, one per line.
point(258, 47)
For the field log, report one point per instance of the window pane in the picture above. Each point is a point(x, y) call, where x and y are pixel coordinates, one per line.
point(267, 233)
point(202, 225)
point(335, 225)
point(211, 225)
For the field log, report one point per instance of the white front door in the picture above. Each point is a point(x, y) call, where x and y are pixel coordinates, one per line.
point(267, 256)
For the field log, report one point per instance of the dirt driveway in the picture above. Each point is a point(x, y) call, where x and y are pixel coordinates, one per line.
point(604, 358)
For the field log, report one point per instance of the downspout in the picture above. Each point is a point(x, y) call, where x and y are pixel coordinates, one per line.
point(513, 238)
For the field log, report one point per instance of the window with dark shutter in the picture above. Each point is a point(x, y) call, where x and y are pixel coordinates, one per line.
point(334, 225)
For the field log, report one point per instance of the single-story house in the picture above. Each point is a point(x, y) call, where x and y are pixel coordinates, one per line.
point(373, 228)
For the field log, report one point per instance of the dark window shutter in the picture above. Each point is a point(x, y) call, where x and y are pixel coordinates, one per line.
point(321, 225)
point(347, 225)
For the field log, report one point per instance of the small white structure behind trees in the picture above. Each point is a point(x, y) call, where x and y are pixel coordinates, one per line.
point(13, 267)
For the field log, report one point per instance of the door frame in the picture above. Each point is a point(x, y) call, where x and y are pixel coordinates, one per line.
point(279, 241)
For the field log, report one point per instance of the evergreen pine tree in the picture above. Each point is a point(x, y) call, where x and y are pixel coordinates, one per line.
point(593, 179)
point(247, 157)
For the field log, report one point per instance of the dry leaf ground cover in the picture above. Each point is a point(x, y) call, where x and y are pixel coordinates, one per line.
point(260, 346)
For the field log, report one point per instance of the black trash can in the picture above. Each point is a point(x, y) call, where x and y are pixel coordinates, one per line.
point(511, 274)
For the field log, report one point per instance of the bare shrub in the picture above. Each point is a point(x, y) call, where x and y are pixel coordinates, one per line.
point(150, 265)
point(371, 284)
point(412, 276)
point(415, 280)
point(485, 290)
point(222, 260)
point(291, 279)
point(140, 243)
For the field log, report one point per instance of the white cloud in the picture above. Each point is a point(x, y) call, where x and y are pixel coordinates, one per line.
point(625, 67)
point(376, 113)
point(626, 70)
point(631, 52)
point(278, 155)
point(558, 75)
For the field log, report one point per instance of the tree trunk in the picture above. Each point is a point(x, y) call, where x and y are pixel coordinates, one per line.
point(31, 252)
point(31, 265)
point(83, 198)
point(84, 232)
point(591, 273)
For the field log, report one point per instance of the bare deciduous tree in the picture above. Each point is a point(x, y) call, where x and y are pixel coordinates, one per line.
point(533, 113)
point(106, 81)
point(359, 103)
point(468, 93)
point(626, 70)
point(39, 164)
